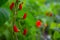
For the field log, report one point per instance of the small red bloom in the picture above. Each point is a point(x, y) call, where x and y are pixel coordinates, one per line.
point(24, 17)
point(25, 32)
point(11, 6)
point(38, 23)
point(15, 29)
point(50, 14)
point(20, 6)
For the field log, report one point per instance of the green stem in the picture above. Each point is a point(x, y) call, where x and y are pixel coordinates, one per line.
point(14, 22)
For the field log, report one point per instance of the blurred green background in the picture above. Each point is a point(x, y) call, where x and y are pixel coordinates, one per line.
point(35, 9)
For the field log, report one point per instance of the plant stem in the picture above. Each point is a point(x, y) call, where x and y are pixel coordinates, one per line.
point(14, 23)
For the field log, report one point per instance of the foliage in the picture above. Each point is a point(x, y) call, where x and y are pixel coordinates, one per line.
point(35, 10)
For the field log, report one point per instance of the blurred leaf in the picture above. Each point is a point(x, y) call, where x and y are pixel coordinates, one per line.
point(2, 2)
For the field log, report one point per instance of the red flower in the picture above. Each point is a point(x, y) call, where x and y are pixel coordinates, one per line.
point(24, 17)
point(11, 6)
point(38, 23)
point(20, 6)
point(50, 14)
point(25, 32)
point(15, 29)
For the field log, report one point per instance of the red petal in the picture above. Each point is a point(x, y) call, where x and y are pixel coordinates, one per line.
point(50, 14)
point(20, 6)
point(25, 32)
point(38, 23)
point(12, 5)
point(15, 29)
point(24, 16)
